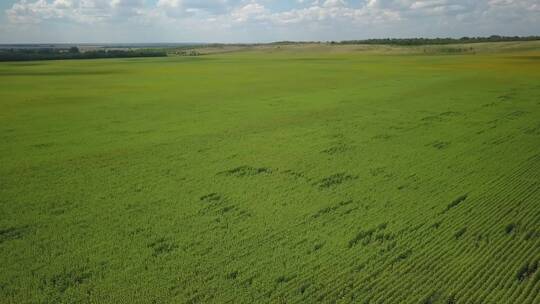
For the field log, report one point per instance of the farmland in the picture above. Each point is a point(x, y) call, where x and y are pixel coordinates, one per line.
point(283, 174)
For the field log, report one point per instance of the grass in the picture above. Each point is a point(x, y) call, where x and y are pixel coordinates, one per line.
point(273, 175)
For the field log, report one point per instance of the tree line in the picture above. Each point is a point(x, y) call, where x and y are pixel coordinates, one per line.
point(438, 41)
point(14, 54)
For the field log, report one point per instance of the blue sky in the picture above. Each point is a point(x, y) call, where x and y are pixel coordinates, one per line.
point(34, 21)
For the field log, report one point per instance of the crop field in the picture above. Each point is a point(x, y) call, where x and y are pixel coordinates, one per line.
point(273, 175)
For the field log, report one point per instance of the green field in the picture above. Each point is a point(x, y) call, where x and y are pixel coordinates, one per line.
point(273, 175)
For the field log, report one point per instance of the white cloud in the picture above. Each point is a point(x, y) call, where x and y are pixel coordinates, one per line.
point(268, 18)
point(249, 11)
point(181, 6)
point(34, 12)
point(334, 3)
point(82, 11)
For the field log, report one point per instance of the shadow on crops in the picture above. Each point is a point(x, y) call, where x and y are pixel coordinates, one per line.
point(221, 208)
point(526, 271)
point(162, 246)
point(441, 117)
point(510, 228)
point(439, 145)
point(331, 209)
point(12, 233)
point(365, 237)
point(460, 233)
point(334, 180)
point(456, 202)
point(244, 171)
point(61, 282)
point(337, 149)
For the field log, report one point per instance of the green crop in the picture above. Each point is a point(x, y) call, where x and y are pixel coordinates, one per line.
point(272, 176)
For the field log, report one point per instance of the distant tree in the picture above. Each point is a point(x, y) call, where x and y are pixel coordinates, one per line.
point(73, 53)
point(439, 41)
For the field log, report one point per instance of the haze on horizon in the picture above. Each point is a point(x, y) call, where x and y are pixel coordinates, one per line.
point(146, 21)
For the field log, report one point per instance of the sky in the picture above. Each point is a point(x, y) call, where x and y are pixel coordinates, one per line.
point(144, 21)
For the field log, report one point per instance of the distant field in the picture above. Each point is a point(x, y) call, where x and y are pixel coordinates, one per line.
point(464, 48)
point(277, 175)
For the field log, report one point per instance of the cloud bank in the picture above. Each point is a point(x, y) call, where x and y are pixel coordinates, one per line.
point(261, 20)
